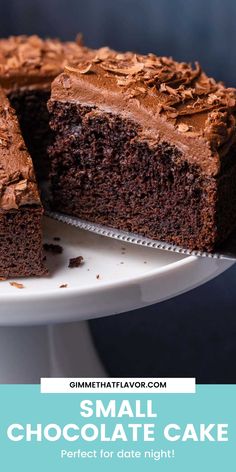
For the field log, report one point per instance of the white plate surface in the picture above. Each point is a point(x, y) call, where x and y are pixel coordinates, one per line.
point(114, 278)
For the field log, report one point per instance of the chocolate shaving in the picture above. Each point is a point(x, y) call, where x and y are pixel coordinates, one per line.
point(79, 70)
point(219, 127)
point(102, 54)
point(127, 70)
point(4, 139)
point(166, 88)
point(183, 128)
point(22, 185)
point(79, 39)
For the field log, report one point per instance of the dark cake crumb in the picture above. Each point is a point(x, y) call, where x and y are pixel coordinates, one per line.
point(53, 248)
point(63, 286)
point(56, 238)
point(97, 276)
point(75, 262)
point(16, 285)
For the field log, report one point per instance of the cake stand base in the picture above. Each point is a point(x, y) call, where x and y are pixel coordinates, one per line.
point(63, 350)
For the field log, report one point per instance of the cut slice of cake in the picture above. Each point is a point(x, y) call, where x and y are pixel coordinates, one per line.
point(28, 64)
point(147, 145)
point(20, 206)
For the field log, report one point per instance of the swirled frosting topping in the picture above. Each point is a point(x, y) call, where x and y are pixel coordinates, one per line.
point(173, 99)
point(29, 60)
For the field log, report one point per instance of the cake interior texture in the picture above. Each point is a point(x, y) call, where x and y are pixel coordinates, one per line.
point(21, 243)
point(20, 206)
point(102, 172)
point(31, 109)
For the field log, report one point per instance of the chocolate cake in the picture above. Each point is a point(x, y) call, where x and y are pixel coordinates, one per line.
point(28, 65)
point(147, 145)
point(20, 206)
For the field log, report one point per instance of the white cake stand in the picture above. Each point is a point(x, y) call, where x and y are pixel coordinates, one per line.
point(37, 338)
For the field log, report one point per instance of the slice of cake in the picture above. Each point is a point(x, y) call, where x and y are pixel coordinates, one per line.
point(20, 207)
point(147, 145)
point(28, 65)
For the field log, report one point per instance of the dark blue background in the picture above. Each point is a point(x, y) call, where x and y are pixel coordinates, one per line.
point(194, 334)
point(186, 29)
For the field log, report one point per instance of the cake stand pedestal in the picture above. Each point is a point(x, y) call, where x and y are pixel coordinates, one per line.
point(65, 350)
point(43, 332)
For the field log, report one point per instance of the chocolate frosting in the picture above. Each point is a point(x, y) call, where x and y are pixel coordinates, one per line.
point(171, 101)
point(29, 61)
point(17, 180)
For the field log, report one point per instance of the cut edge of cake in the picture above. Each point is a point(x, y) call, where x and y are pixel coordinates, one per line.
point(20, 206)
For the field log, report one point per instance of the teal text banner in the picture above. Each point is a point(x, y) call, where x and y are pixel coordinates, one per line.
point(169, 432)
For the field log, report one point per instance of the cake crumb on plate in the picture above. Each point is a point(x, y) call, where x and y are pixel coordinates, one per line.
point(16, 285)
point(53, 248)
point(76, 262)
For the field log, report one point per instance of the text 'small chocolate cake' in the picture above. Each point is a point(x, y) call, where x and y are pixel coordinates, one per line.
point(147, 145)
point(20, 206)
point(28, 64)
